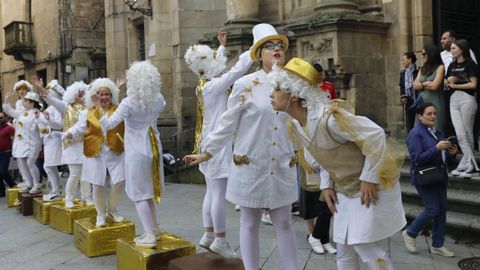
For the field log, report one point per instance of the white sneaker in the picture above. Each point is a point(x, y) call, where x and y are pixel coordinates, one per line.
point(316, 245)
point(69, 201)
point(443, 251)
point(206, 241)
point(469, 174)
point(89, 201)
point(237, 207)
point(35, 189)
point(329, 248)
point(101, 222)
point(223, 249)
point(266, 219)
point(52, 196)
point(22, 184)
point(115, 215)
point(410, 243)
point(25, 189)
point(146, 240)
point(457, 172)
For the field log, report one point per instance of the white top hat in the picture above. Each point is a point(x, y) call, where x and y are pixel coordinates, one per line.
point(262, 33)
point(32, 96)
point(55, 88)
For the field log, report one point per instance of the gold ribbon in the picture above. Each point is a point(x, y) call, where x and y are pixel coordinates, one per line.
point(240, 159)
point(200, 108)
point(156, 166)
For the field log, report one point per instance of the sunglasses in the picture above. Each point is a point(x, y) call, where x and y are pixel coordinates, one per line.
point(274, 45)
point(423, 54)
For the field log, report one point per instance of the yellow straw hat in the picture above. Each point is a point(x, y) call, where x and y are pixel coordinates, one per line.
point(303, 69)
point(262, 33)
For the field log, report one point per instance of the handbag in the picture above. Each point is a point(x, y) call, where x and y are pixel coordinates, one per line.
point(417, 103)
point(430, 176)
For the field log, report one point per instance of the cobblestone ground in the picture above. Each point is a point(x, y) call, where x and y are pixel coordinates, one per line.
point(26, 244)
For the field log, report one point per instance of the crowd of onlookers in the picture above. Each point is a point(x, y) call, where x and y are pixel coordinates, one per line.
point(441, 102)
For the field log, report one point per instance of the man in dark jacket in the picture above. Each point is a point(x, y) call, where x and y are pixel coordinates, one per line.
point(407, 95)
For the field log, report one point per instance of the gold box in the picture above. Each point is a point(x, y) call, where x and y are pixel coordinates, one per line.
point(62, 218)
point(12, 197)
point(41, 210)
point(169, 247)
point(93, 241)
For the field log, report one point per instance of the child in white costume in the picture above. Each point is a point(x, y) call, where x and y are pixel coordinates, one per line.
point(48, 121)
point(27, 142)
point(72, 154)
point(212, 94)
point(101, 155)
point(366, 199)
point(262, 173)
point(143, 163)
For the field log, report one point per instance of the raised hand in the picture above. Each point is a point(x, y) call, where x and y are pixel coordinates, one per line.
point(38, 84)
point(222, 37)
point(46, 115)
point(121, 80)
point(8, 95)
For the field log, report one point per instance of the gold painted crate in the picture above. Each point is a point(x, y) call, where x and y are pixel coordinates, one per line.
point(169, 247)
point(93, 241)
point(62, 218)
point(12, 197)
point(41, 210)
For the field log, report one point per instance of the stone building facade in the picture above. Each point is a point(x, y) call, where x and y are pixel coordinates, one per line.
point(359, 43)
point(63, 39)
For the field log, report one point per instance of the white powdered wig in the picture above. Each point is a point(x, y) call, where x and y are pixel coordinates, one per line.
point(296, 86)
point(97, 85)
point(72, 91)
point(205, 62)
point(143, 81)
point(22, 83)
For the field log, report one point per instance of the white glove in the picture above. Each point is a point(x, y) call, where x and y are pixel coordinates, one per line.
point(60, 135)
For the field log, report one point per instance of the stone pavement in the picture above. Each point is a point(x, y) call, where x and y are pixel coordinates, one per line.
point(26, 244)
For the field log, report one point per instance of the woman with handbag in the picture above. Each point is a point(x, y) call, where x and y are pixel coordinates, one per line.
point(429, 151)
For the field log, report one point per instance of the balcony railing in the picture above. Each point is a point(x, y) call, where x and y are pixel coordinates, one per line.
point(19, 41)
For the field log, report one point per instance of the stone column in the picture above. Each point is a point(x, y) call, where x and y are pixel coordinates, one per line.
point(341, 6)
point(370, 7)
point(242, 12)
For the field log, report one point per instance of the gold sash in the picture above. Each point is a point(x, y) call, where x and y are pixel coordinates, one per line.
point(200, 108)
point(157, 188)
point(70, 118)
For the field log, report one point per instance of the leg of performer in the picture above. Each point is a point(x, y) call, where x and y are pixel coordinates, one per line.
point(86, 192)
point(287, 244)
point(347, 258)
point(99, 200)
point(34, 172)
point(249, 242)
point(144, 211)
point(116, 191)
point(53, 177)
point(208, 236)
point(374, 256)
point(153, 212)
point(72, 183)
point(24, 172)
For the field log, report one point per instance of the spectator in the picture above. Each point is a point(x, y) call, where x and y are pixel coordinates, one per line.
point(325, 85)
point(427, 146)
point(6, 139)
point(407, 97)
point(429, 82)
point(461, 79)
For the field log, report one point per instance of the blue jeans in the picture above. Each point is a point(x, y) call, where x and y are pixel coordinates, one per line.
point(435, 202)
point(4, 162)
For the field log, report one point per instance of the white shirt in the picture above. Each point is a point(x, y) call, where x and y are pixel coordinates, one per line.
point(52, 145)
point(215, 103)
point(267, 181)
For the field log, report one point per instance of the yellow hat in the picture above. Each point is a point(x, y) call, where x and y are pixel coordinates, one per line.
point(303, 69)
point(262, 33)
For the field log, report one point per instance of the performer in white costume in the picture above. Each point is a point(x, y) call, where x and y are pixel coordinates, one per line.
point(364, 192)
point(262, 173)
point(27, 142)
point(103, 150)
point(143, 163)
point(72, 154)
point(212, 93)
point(49, 121)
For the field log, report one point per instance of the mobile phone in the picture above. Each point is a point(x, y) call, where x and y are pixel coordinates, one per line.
point(452, 140)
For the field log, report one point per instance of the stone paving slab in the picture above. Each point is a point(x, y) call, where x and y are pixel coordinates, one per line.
point(27, 244)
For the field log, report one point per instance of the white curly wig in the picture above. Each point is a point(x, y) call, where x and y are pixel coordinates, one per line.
point(72, 91)
point(22, 83)
point(295, 85)
point(205, 62)
point(101, 83)
point(143, 81)
point(55, 89)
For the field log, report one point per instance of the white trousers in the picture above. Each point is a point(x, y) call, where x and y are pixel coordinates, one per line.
point(53, 177)
point(372, 254)
point(213, 210)
point(72, 182)
point(29, 171)
point(116, 191)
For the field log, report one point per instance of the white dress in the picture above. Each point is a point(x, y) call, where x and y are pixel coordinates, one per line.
point(52, 145)
point(27, 142)
point(269, 180)
point(94, 169)
point(138, 149)
point(73, 154)
point(215, 103)
point(354, 223)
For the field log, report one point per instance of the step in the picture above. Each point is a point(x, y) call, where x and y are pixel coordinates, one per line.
point(461, 226)
point(462, 201)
